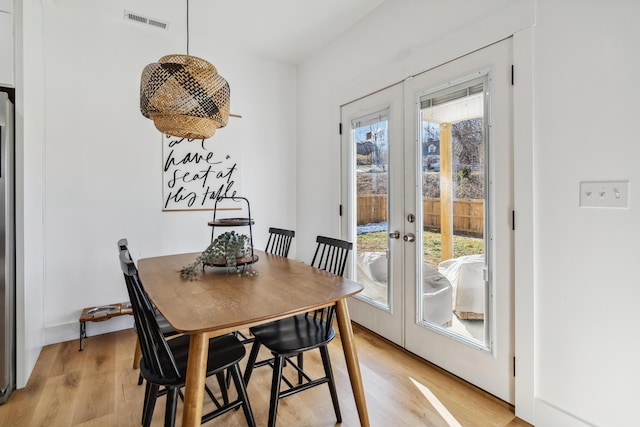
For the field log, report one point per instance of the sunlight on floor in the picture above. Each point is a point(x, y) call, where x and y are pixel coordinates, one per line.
point(437, 405)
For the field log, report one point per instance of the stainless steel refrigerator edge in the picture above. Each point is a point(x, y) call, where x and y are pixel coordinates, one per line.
point(7, 251)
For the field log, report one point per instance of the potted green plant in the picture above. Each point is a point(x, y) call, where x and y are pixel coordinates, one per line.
point(224, 250)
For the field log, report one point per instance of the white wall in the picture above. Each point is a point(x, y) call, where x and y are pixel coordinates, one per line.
point(399, 39)
point(586, 106)
point(102, 158)
point(30, 133)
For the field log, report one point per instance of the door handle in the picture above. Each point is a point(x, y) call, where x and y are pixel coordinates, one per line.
point(410, 237)
point(394, 235)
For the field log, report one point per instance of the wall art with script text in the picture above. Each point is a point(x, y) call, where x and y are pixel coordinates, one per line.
point(195, 174)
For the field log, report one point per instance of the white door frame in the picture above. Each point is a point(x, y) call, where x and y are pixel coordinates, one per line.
point(524, 238)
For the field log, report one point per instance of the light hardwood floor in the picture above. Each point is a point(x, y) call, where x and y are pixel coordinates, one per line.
point(98, 387)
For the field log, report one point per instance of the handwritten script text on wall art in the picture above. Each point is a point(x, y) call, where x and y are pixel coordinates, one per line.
point(194, 176)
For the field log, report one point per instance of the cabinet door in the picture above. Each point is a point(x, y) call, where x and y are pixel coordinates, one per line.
point(6, 49)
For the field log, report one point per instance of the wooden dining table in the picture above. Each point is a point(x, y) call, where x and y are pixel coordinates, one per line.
point(218, 302)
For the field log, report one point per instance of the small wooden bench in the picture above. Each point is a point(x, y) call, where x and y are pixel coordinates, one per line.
point(101, 313)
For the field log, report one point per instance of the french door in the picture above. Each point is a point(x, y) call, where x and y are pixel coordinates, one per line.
point(428, 189)
point(373, 159)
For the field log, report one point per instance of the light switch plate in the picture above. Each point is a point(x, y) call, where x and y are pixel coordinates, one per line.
point(604, 194)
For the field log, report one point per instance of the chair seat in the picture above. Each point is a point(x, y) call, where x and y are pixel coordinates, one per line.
point(294, 334)
point(224, 352)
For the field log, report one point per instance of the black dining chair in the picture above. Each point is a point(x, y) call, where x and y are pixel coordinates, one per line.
point(279, 241)
point(166, 329)
point(295, 335)
point(164, 362)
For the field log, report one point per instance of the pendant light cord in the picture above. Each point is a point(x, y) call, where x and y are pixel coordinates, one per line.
point(187, 27)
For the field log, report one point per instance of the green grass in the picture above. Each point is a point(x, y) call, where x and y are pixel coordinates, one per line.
point(462, 245)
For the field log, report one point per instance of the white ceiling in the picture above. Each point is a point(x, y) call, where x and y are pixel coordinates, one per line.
point(285, 30)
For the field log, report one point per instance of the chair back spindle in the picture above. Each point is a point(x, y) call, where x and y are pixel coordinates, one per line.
point(279, 241)
point(331, 254)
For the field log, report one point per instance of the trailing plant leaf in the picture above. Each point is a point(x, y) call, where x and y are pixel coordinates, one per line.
point(224, 249)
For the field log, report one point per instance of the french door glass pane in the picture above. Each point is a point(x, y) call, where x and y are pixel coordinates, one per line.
point(453, 159)
point(371, 164)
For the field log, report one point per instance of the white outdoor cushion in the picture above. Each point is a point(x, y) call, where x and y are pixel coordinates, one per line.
point(436, 289)
point(465, 274)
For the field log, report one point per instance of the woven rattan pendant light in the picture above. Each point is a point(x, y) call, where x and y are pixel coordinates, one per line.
point(184, 95)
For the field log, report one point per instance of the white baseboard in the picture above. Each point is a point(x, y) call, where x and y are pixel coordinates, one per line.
point(548, 415)
point(71, 331)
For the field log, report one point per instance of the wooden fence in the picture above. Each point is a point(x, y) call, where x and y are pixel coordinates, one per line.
point(467, 213)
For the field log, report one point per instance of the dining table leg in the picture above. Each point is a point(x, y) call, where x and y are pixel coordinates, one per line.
point(351, 357)
point(137, 355)
point(196, 375)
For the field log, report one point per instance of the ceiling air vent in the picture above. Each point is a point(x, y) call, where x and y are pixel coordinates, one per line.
point(158, 24)
point(145, 20)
